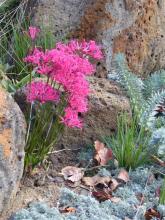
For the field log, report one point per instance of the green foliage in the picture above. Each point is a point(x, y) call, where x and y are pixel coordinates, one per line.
point(43, 130)
point(8, 5)
point(11, 12)
point(154, 83)
point(144, 95)
point(15, 43)
point(162, 194)
point(22, 44)
point(130, 144)
point(158, 141)
point(3, 48)
point(147, 116)
point(11, 85)
point(131, 83)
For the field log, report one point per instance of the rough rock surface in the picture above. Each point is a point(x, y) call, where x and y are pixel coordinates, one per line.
point(106, 102)
point(134, 27)
point(12, 141)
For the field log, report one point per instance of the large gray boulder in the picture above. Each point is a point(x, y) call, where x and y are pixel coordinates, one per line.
point(136, 28)
point(12, 142)
point(106, 101)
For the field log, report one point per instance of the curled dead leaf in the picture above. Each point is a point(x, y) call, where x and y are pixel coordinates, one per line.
point(95, 180)
point(67, 210)
point(103, 154)
point(123, 175)
point(106, 181)
point(101, 196)
point(151, 213)
point(115, 199)
point(113, 184)
point(74, 174)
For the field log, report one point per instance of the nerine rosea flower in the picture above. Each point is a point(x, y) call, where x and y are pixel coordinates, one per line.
point(42, 92)
point(33, 32)
point(67, 65)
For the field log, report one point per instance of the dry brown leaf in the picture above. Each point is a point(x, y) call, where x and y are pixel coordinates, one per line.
point(151, 213)
point(67, 210)
point(106, 181)
point(74, 174)
point(123, 175)
point(70, 209)
point(103, 154)
point(95, 180)
point(101, 196)
point(115, 199)
point(114, 184)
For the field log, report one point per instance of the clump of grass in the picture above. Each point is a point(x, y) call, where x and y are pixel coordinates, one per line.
point(130, 143)
point(162, 194)
point(8, 5)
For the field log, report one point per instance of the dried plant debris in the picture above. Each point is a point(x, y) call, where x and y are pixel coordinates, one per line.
point(74, 174)
point(152, 213)
point(134, 199)
point(123, 175)
point(103, 154)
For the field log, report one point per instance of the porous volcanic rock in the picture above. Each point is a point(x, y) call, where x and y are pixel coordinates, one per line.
point(106, 101)
point(134, 27)
point(12, 142)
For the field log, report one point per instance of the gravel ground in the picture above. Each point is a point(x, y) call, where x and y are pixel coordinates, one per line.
point(143, 181)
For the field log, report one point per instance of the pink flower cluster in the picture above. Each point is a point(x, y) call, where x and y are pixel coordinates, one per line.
point(67, 65)
point(42, 92)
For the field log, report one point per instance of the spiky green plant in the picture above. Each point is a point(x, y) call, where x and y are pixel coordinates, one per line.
point(154, 83)
point(145, 95)
point(131, 83)
point(130, 144)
